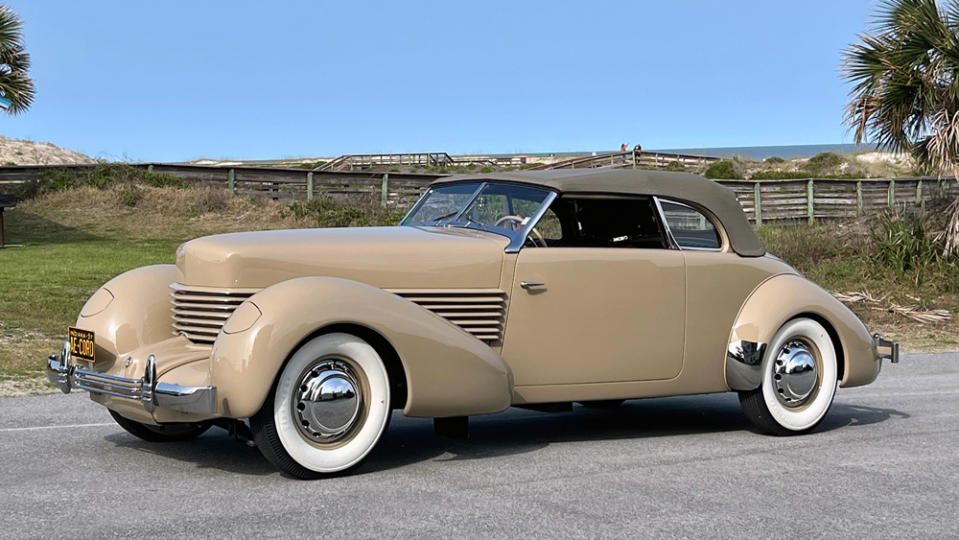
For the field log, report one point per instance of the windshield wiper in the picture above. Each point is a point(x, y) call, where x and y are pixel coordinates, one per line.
point(445, 216)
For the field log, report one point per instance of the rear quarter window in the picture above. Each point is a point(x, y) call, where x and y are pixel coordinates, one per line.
point(691, 229)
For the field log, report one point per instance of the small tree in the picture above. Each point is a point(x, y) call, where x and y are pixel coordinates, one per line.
point(15, 85)
point(905, 94)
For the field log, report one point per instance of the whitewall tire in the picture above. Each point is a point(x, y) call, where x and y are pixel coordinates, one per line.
point(328, 408)
point(800, 375)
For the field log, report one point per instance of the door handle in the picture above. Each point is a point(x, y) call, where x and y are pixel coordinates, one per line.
point(530, 284)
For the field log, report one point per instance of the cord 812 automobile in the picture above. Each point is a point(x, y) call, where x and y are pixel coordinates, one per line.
point(510, 289)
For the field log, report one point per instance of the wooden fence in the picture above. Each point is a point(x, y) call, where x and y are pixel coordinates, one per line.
point(762, 200)
point(824, 198)
point(399, 189)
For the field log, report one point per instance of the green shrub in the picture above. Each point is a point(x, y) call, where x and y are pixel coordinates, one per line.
point(311, 165)
point(675, 166)
point(781, 175)
point(722, 170)
point(99, 176)
point(904, 245)
point(130, 195)
point(824, 160)
point(486, 169)
point(211, 199)
point(774, 159)
point(327, 212)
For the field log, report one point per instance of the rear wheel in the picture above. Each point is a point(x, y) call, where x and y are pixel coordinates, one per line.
point(328, 408)
point(799, 380)
point(180, 431)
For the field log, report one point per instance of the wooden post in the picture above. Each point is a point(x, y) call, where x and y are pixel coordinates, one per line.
point(634, 159)
point(231, 180)
point(891, 196)
point(309, 186)
point(757, 203)
point(809, 200)
point(858, 198)
point(919, 192)
point(385, 190)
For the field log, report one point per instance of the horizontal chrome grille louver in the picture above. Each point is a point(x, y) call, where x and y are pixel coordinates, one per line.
point(478, 311)
point(200, 312)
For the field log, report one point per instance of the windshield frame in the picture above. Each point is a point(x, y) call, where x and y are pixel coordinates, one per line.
point(516, 241)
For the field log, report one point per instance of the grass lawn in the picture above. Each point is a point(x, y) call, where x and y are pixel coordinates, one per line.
point(73, 241)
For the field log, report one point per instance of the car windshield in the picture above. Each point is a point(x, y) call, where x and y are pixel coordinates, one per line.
point(490, 206)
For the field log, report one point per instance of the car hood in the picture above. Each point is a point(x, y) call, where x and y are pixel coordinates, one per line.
point(386, 257)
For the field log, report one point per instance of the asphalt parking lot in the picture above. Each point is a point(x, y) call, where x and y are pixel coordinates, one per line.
point(884, 463)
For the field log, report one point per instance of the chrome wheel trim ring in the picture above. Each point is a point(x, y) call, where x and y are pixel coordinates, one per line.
point(796, 373)
point(327, 401)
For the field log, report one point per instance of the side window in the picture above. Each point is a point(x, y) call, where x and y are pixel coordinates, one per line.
point(602, 221)
point(690, 228)
point(550, 227)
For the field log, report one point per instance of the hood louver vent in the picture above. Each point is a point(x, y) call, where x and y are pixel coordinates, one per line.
point(478, 311)
point(200, 312)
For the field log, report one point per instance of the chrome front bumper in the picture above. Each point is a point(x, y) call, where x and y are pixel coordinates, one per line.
point(147, 390)
point(885, 349)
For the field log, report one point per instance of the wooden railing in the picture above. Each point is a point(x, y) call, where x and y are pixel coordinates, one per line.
point(628, 159)
point(762, 200)
point(353, 162)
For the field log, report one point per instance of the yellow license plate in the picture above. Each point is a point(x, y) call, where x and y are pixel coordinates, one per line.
point(82, 347)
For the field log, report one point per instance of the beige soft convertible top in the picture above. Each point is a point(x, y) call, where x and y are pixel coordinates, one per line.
point(683, 187)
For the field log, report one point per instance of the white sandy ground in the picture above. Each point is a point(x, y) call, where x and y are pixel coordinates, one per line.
point(20, 152)
point(897, 158)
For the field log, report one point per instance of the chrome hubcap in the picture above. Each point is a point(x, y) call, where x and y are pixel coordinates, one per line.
point(327, 402)
point(795, 373)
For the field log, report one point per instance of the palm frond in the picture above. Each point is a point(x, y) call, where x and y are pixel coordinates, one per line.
point(15, 85)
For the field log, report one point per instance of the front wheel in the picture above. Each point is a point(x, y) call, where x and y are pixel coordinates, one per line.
point(328, 408)
point(799, 380)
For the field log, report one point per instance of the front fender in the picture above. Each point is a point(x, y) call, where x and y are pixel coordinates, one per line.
point(776, 301)
point(129, 311)
point(448, 372)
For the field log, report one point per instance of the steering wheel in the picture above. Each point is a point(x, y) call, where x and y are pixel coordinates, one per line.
point(519, 220)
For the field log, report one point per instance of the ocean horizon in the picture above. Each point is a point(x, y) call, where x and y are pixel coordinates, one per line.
point(757, 153)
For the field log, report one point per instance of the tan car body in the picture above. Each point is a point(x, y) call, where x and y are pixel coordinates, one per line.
point(609, 324)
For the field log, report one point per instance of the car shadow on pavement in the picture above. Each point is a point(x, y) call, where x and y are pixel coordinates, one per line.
point(516, 431)
point(521, 431)
point(215, 449)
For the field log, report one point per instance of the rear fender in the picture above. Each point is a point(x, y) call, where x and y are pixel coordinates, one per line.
point(448, 372)
point(785, 297)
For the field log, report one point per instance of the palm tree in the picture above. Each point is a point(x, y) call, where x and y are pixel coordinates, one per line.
point(15, 86)
point(905, 94)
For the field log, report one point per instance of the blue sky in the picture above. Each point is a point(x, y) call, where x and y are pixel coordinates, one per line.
point(177, 80)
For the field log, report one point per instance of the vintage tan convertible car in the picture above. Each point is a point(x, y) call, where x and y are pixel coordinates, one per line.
point(512, 289)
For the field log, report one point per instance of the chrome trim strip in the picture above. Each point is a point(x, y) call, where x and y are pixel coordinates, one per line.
point(744, 362)
point(469, 203)
point(516, 244)
point(669, 232)
point(416, 205)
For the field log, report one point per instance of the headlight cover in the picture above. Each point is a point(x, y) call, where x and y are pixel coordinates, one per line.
point(97, 303)
point(242, 319)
